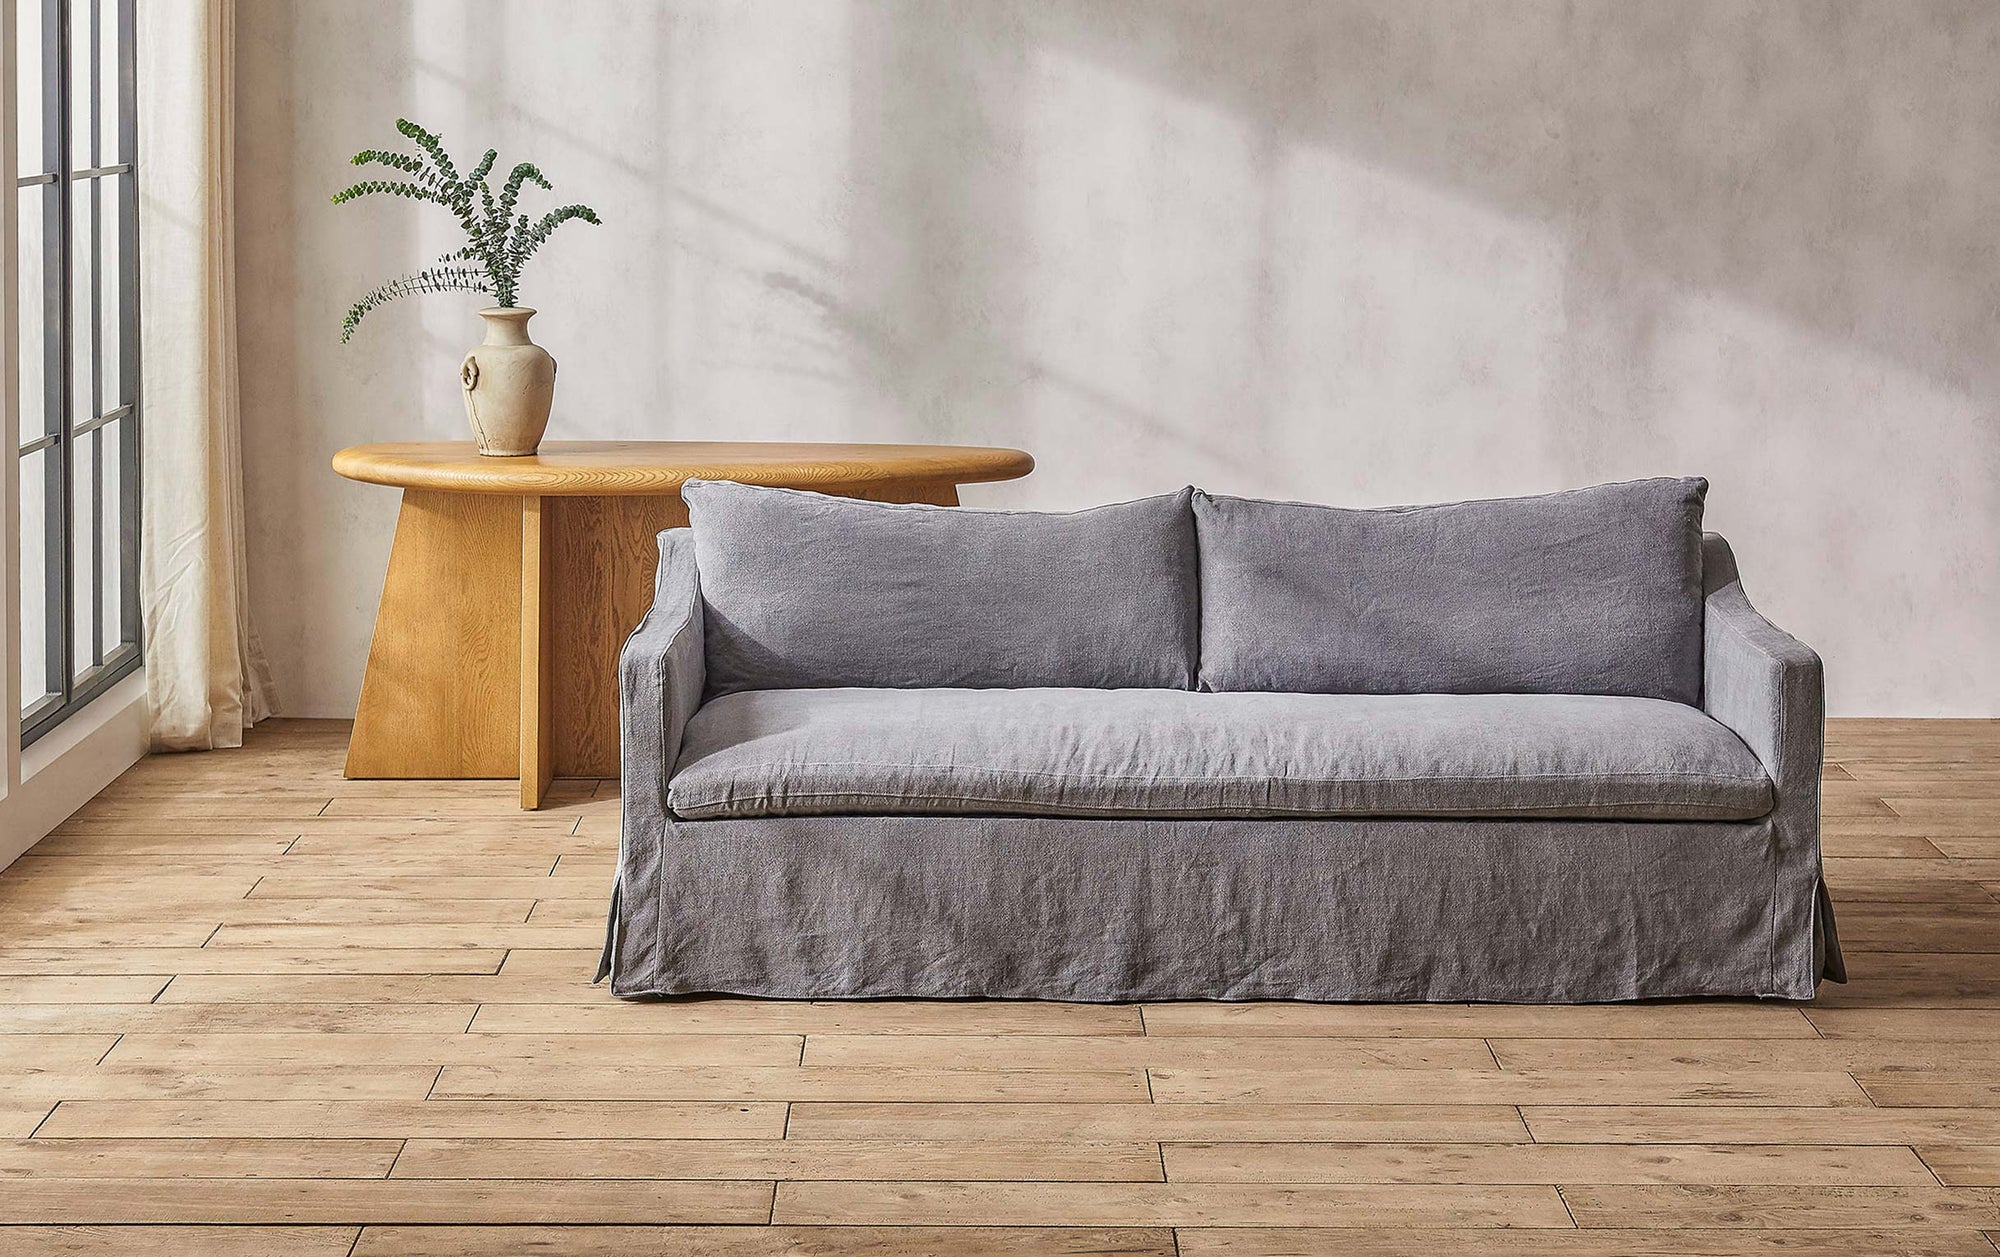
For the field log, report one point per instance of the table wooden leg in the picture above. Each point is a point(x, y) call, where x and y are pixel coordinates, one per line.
point(537, 759)
point(441, 697)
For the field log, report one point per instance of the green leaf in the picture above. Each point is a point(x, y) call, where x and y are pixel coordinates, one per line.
point(432, 279)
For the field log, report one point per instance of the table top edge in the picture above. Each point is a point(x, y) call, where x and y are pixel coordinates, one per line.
point(454, 466)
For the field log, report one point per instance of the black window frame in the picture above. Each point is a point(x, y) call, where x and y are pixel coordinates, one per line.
point(66, 689)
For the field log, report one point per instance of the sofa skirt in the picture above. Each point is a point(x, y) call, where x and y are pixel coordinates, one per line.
point(1525, 911)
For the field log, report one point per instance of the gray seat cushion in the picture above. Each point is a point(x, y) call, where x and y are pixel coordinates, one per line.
point(1075, 752)
point(1594, 591)
point(803, 590)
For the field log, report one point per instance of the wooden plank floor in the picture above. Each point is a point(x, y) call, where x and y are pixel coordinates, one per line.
point(249, 1007)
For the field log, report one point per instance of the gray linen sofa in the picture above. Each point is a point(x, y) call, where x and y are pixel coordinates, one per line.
point(1539, 749)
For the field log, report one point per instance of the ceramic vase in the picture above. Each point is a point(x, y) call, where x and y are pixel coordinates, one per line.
point(509, 383)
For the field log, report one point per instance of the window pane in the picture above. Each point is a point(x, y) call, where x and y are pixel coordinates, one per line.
point(34, 578)
point(28, 87)
point(109, 151)
point(82, 552)
point(82, 65)
point(82, 287)
point(111, 288)
point(32, 292)
point(112, 583)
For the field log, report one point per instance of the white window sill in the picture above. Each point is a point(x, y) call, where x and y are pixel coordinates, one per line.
point(69, 766)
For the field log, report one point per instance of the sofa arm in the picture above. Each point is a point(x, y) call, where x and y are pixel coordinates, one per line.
point(1761, 682)
point(660, 676)
point(1768, 688)
point(661, 672)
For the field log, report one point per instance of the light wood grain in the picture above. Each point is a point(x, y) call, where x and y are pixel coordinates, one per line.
point(908, 1161)
point(1070, 1052)
point(1607, 1242)
point(198, 1158)
point(1500, 1086)
point(1540, 1163)
point(1962, 1166)
point(537, 1080)
point(603, 554)
point(437, 1050)
point(242, 989)
point(707, 1015)
point(180, 1241)
point(537, 679)
point(765, 1241)
point(659, 468)
point(235, 1018)
point(441, 694)
point(1686, 1124)
point(268, 1200)
point(435, 1119)
point(1604, 1021)
point(1165, 1204)
point(1117, 1123)
point(1783, 1206)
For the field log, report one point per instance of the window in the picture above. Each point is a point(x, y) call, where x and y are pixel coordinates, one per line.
point(78, 276)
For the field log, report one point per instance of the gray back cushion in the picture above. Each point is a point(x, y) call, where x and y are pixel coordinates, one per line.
point(806, 591)
point(1594, 591)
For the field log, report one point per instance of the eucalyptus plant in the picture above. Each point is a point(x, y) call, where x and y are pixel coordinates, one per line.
point(499, 239)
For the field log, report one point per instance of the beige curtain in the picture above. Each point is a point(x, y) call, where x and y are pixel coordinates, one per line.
point(205, 673)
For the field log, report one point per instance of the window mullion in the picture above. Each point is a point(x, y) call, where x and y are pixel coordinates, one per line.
point(128, 313)
point(56, 110)
point(97, 405)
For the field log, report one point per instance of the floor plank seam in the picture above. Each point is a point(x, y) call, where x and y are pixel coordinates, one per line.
point(401, 1148)
point(44, 1119)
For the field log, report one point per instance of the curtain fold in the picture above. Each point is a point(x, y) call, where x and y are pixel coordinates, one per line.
point(205, 673)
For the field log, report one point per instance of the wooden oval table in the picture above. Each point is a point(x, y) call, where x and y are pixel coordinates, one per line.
point(514, 581)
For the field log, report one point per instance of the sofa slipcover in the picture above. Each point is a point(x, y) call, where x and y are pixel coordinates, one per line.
point(803, 590)
point(1591, 591)
point(864, 907)
point(1168, 753)
point(1324, 907)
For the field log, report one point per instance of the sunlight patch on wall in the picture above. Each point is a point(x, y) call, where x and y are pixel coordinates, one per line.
point(1295, 322)
point(1413, 340)
point(1752, 391)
